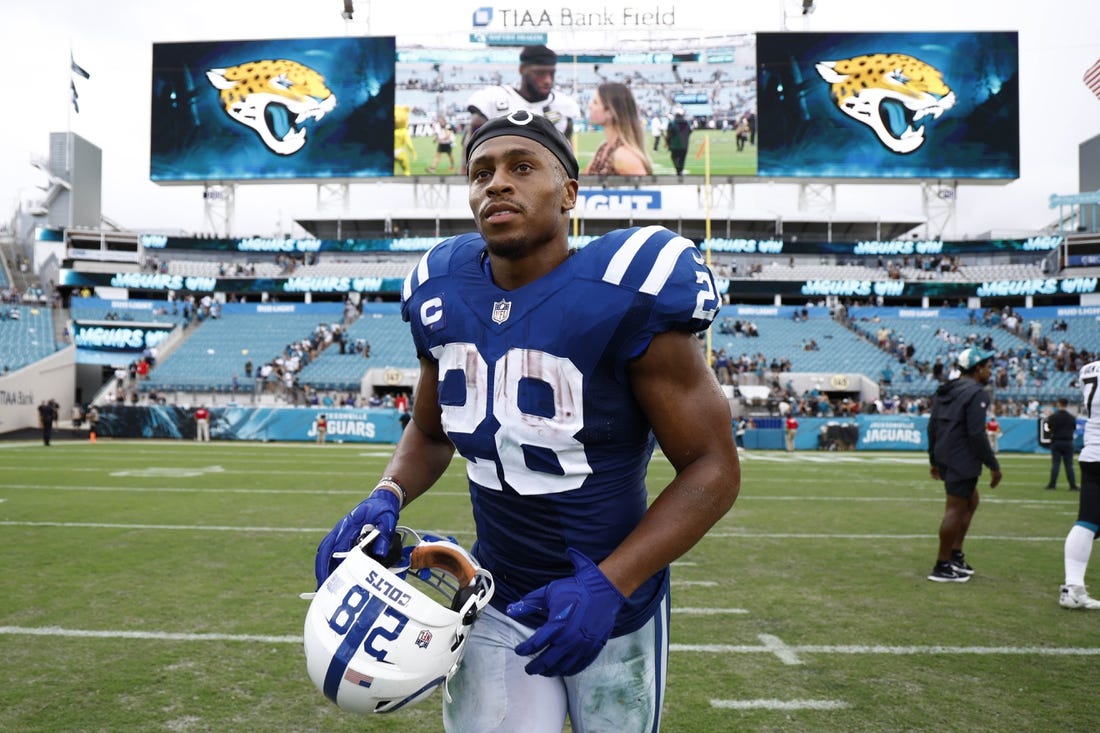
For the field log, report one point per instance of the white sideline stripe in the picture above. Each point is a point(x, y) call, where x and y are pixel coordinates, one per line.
point(852, 649)
point(718, 535)
point(779, 704)
point(157, 635)
point(358, 491)
point(774, 535)
point(707, 611)
point(190, 527)
point(705, 648)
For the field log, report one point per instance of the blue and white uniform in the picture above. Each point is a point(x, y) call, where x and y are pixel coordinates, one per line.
point(501, 100)
point(534, 394)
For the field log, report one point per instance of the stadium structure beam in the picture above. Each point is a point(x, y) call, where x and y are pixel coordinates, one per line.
point(218, 204)
point(939, 200)
point(335, 197)
point(721, 193)
point(817, 198)
point(435, 196)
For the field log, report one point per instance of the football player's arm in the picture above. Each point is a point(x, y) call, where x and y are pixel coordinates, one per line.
point(424, 451)
point(691, 421)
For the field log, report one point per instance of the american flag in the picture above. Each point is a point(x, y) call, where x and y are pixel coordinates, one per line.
point(358, 678)
point(1092, 78)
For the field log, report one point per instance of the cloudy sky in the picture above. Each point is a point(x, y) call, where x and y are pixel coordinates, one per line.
point(113, 40)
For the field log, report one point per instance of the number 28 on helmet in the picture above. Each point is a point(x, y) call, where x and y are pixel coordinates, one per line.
point(380, 638)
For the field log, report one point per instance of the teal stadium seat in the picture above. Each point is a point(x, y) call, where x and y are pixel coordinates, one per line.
point(26, 339)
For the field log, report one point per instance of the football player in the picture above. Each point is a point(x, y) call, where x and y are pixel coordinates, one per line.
point(1078, 545)
point(536, 93)
point(554, 372)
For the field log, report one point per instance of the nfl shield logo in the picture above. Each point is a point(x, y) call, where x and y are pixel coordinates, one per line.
point(501, 310)
point(424, 638)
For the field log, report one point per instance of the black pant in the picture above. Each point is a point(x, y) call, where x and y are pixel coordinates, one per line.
point(1061, 452)
point(678, 158)
point(47, 432)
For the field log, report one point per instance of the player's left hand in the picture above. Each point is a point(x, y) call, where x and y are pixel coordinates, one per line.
point(581, 610)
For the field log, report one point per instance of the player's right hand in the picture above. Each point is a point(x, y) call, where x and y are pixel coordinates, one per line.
point(378, 510)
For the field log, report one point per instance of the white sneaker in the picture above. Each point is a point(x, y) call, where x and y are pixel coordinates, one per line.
point(1074, 596)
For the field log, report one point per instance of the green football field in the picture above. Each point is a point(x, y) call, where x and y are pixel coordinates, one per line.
point(725, 159)
point(153, 586)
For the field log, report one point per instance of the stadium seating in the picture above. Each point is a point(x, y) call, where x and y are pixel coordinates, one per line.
point(26, 335)
point(390, 346)
point(785, 338)
point(216, 350)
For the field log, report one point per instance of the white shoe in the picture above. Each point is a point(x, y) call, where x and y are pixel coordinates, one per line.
point(1074, 596)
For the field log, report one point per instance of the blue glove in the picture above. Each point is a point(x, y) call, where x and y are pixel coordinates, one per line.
point(379, 509)
point(581, 611)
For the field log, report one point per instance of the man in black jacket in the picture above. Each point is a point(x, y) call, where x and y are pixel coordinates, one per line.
point(957, 450)
point(1062, 425)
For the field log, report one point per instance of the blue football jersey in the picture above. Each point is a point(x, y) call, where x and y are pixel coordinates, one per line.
point(534, 393)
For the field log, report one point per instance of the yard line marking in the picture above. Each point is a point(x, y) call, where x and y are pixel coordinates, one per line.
point(698, 648)
point(781, 650)
point(157, 635)
point(891, 650)
point(716, 535)
point(191, 527)
point(1052, 503)
point(707, 611)
point(200, 490)
point(702, 583)
point(843, 536)
point(204, 527)
point(779, 704)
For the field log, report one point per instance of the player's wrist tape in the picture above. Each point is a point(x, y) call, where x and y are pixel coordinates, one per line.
point(388, 483)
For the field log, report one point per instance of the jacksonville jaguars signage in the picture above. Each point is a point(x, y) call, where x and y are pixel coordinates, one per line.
point(272, 109)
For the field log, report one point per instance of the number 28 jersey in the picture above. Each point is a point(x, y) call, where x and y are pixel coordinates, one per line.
point(534, 394)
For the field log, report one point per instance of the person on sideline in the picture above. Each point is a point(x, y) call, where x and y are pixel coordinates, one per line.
point(1063, 426)
point(554, 372)
point(1083, 533)
point(444, 144)
point(957, 450)
point(993, 430)
point(202, 424)
point(320, 425)
point(538, 67)
point(678, 139)
point(790, 430)
point(622, 153)
point(47, 416)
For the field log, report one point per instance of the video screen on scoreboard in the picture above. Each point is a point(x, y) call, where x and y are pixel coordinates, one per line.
point(889, 105)
point(711, 82)
point(271, 110)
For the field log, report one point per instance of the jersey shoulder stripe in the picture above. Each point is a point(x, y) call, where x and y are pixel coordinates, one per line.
point(438, 260)
point(645, 259)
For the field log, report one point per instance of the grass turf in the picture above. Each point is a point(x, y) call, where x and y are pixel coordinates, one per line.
point(154, 586)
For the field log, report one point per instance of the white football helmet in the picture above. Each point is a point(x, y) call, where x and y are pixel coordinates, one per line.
point(375, 643)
